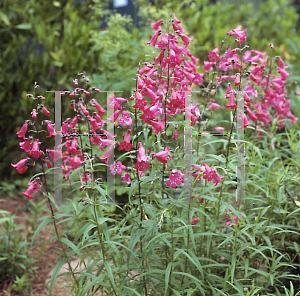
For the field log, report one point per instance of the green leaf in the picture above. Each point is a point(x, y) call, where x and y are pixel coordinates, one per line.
point(110, 274)
point(56, 270)
point(41, 226)
point(4, 19)
point(24, 26)
point(44, 246)
point(168, 270)
point(74, 248)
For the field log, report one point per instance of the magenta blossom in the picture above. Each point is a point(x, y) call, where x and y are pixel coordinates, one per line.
point(125, 119)
point(161, 156)
point(33, 187)
point(126, 178)
point(21, 133)
point(35, 151)
point(21, 165)
point(219, 129)
point(117, 168)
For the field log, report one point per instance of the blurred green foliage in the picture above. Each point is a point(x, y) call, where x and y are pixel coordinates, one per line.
point(50, 42)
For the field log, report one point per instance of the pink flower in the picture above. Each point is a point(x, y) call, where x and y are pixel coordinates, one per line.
point(175, 135)
point(238, 33)
point(231, 104)
point(126, 143)
point(219, 129)
point(75, 162)
point(213, 55)
point(186, 40)
point(21, 165)
point(33, 114)
point(214, 106)
point(161, 156)
point(125, 119)
point(49, 164)
point(235, 219)
point(117, 168)
point(46, 112)
point(21, 133)
point(26, 145)
point(107, 154)
point(73, 122)
point(126, 178)
point(153, 40)
point(86, 177)
point(157, 126)
point(237, 80)
point(175, 178)
point(33, 187)
point(35, 152)
point(50, 129)
point(114, 102)
point(156, 26)
point(84, 111)
point(208, 66)
point(195, 221)
point(142, 158)
point(114, 116)
point(100, 110)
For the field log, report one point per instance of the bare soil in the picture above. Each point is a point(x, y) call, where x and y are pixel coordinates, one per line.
point(48, 257)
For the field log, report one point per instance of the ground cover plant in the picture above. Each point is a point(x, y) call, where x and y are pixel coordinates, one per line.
point(182, 231)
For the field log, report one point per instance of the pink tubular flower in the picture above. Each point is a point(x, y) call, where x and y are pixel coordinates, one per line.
point(26, 145)
point(153, 40)
point(107, 154)
point(125, 119)
point(186, 40)
point(33, 187)
point(21, 165)
point(50, 129)
point(100, 110)
point(75, 162)
point(195, 221)
point(84, 111)
point(208, 66)
point(161, 156)
point(142, 159)
point(175, 178)
point(231, 104)
point(114, 102)
point(126, 143)
point(175, 135)
point(21, 133)
point(219, 129)
point(65, 127)
point(126, 178)
point(239, 34)
point(46, 112)
point(156, 26)
point(117, 168)
point(235, 219)
point(33, 114)
point(73, 122)
point(213, 55)
point(35, 152)
point(214, 106)
point(114, 116)
point(72, 147)
point(49, 164)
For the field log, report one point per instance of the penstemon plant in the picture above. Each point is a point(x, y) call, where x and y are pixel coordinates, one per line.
point(160, 244)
